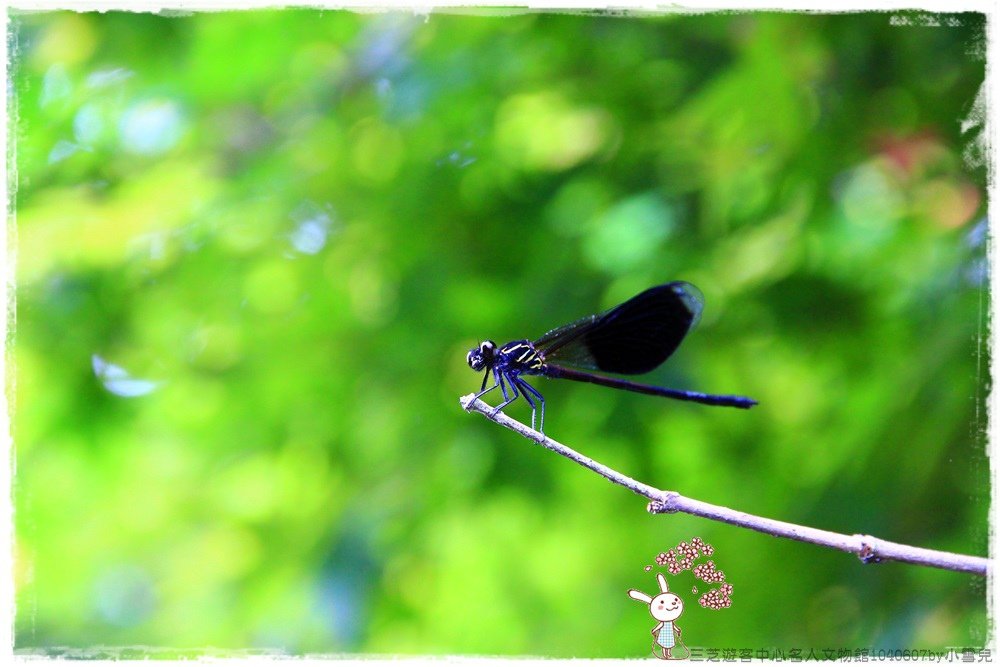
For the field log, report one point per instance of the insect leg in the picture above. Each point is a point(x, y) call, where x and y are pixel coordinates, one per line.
point(503, 386)
point(482, 390)
point(513, 386)
point(528, 389)
point(527, 397)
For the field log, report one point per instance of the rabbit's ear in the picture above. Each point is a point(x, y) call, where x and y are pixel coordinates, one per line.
point(663, 583)
point(639, 595)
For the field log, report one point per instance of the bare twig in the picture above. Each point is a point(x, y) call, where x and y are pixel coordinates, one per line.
point(869, 549)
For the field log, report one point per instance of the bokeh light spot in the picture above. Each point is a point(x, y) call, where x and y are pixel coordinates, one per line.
point(313, 225)
point(151, 127)
point(68, 39)
point(124, 595)
point(629, 233)
point(544, 131)
point(62, 150)
point(89, 123)
point(103, 78)
point(118, 381)
point(870, 201)
point(56, 86)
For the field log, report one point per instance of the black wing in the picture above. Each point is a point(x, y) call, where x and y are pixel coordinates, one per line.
point(634, 337)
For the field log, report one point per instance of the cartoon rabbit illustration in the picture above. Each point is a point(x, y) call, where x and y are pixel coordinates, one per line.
point(665, 608)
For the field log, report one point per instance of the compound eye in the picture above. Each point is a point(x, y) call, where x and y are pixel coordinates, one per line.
point(487, 346)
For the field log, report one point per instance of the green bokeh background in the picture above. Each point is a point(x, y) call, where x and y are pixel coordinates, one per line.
point(253, 248)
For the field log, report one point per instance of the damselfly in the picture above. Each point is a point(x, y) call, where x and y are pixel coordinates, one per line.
point(632, 338)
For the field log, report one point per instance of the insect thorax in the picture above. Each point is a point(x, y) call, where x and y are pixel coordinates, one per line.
point(519, 356)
